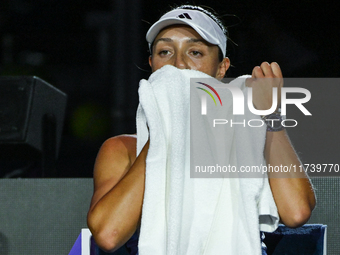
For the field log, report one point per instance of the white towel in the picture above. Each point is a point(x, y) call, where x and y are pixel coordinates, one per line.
point(183, 215)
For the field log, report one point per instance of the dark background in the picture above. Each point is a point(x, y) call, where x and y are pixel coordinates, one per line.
point(95, 52)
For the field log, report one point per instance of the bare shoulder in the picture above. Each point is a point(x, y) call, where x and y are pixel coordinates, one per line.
point(114, 159)
point(119, 146)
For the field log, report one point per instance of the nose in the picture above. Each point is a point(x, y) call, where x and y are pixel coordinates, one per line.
point(181, 62)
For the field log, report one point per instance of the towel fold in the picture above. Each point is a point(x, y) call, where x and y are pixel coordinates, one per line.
point(183, 215)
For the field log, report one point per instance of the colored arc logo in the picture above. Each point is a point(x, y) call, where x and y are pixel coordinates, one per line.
point(213, 90)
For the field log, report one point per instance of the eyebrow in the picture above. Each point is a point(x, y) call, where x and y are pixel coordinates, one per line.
point(190, 40)
point(163, 40)
point(195, 40)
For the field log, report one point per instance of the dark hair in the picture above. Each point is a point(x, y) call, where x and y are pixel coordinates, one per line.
point(213, 15)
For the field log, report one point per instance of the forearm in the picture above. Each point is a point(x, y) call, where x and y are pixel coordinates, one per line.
point(292, 191)
point(115, 217)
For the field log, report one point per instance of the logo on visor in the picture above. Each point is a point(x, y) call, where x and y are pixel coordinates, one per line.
point(184, 16)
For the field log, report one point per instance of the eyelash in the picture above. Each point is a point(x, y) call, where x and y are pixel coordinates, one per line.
point(193, 52)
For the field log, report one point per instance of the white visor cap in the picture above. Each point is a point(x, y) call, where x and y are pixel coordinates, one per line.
point(199, 21)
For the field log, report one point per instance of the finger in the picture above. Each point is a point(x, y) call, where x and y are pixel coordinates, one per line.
point(276, 70)
point(267, 70)
point(278, 74)
point(257, 72)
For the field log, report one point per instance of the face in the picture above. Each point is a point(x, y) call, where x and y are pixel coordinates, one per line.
point(182, 47)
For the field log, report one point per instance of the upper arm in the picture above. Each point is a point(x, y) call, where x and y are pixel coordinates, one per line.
point(113, 161)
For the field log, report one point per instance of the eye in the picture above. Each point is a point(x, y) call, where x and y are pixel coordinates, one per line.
point(196, 53)
point(163, 52)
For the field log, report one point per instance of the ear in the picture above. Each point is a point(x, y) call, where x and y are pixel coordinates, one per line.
point(222, 68)
point(150, 61)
